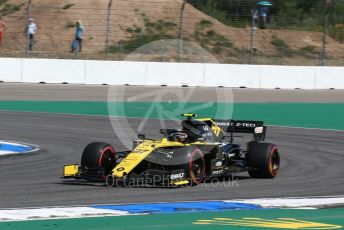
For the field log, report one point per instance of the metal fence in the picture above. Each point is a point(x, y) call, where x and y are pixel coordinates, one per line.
point(163, 30)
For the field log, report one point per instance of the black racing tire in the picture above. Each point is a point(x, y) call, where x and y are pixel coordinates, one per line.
point(196, 166)
point(99, 156)
point(263, 160)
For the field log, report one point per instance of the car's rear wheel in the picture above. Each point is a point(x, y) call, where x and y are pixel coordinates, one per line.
point(196, 166)
point(98, 157)
point(263, 160)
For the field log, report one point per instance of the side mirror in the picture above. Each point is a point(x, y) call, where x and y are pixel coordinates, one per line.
point(141, 136)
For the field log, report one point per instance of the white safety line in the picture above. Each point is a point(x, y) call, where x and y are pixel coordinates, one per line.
point(298, 202)
point(57, 213)
point(295, 127)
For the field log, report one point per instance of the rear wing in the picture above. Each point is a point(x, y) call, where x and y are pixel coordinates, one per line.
point(257, 128)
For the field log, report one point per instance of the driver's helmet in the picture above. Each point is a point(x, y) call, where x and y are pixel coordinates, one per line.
point(198, 129)
point(179, 136)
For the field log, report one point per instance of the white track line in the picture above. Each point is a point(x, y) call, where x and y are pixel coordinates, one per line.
point(294, 202)
point(56, 213)
point(291, 127)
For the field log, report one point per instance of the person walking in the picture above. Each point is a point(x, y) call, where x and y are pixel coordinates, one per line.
point(79, 31)
point(3, 28)
point(255, 16)
point(31, 31)
point(263, 14)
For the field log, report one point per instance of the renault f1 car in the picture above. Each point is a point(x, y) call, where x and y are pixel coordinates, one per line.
point(199, 150)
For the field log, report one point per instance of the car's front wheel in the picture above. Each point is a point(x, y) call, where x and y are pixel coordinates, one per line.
point(98, 157)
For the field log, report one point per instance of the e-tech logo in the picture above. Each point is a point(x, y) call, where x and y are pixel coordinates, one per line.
point(247, 125)
point(286, 223)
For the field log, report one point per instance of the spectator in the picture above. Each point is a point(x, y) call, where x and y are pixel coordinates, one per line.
point(78, 34)
point(263, 14)
point(31, 31)
point(255, 17)
point(3, 28)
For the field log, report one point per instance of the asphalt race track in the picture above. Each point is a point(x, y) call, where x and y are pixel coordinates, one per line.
point(312, 164)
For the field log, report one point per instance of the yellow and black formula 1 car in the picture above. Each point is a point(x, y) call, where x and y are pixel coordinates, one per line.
point(199, 150)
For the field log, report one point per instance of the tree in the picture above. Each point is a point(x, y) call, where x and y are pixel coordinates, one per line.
point(283, 14)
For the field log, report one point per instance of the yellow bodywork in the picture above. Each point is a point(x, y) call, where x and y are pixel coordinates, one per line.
point(70, 170)
point(140, 153)
point(183, 182)
point(215, 128)
point(147, 147)
point(143, 150)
